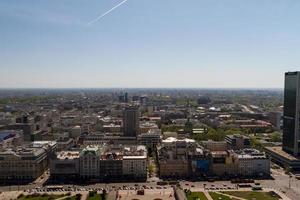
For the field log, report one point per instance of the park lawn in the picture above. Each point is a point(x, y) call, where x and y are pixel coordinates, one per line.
point(71, 198)
point(251, 195)
point(216, 196)
point(95, 197)
point(196, 196)
point(40, 197)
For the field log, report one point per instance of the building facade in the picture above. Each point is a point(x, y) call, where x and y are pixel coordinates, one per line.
point(291, 113)
point(236, 142)
point(65, 165)
point(131, 121)
point(89, 162)
point(22, 164)
point(105, 163)
point(181, 158)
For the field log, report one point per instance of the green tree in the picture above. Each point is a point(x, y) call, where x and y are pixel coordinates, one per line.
point(255, 143)
point(276, 137)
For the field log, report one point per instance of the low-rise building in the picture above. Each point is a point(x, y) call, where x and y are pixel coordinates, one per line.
point(170, 134)
point(244, 162)
point(135, 163)
point(75, 132)
point(223, 163)
point(236, 142)
point(145, 127)
point(22, 163)
point(65, 165)
point(65, 143)
point(112, 128)
point(103, 138)
point(284, 159)
point(9, 138)
point(181, 158)
point(174, 168)
point(215, 145)
point(103, 163)
point(49, 146)
point(150, 139)
point(252, 162)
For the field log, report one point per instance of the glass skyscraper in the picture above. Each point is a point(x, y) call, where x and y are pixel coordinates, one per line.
point(291, 113)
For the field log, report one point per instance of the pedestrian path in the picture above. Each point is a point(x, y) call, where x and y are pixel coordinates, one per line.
point(239, 198)
point(207, 195)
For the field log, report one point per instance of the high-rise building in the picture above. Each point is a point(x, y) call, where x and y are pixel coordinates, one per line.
point(291, 113)
point(131, 121)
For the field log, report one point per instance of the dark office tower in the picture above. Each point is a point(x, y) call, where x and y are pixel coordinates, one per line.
point(131, 121)
point(291, 113)
point(126, 97)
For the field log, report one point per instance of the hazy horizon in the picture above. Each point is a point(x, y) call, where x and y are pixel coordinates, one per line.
point(148, 44)
point(132, 88)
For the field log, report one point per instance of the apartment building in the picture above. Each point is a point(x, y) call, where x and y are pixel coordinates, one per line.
point(102, 162)
point(252, 162)
point(236, 142)
point(22, 163)
point(65, 165)
point(180, 158)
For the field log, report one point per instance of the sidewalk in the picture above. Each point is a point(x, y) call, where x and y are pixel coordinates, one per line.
point(207, 195)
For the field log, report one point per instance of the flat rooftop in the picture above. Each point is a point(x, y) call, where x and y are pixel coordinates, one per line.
point(280, 152)
point(68, 155)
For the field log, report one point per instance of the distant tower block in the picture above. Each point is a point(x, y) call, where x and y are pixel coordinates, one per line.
point(131, 121)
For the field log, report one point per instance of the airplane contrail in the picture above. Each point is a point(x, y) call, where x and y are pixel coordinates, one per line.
point(106, 13)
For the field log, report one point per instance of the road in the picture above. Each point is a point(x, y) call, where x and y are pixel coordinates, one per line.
point(280, 183)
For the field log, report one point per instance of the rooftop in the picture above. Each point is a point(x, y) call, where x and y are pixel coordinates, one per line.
point(172, 139)
point(63, 155)
point(42, 143)
point(279, 151)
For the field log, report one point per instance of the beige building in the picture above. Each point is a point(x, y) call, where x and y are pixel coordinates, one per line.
point(146, 126)
point(103, 162)
point(170, 134)
point(175, 156)
point(135, 162)
point(112, 128)
point(22, 163)
point(215, 145)
point(223, 163)
point(174, 168)
point(245, 162)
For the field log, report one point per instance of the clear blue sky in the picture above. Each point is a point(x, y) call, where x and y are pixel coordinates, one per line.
point(148, 43)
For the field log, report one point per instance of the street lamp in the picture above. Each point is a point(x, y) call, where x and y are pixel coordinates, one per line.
point(290, 181)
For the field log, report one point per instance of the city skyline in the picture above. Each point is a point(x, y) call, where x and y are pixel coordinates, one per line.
point(148, 44)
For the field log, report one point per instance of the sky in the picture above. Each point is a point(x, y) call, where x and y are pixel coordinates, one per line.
point(148, 43)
